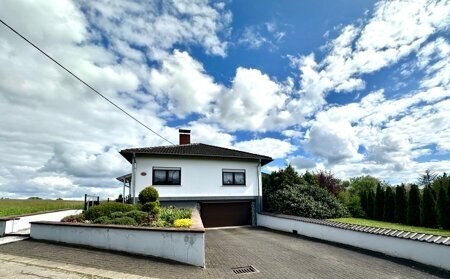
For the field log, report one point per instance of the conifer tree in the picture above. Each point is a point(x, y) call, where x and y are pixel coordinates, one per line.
point(389, 205)
point(442, 208)
point(428, 208)
point(379, 203)
point(400, 204)
point(413, 215)
point(370, 205)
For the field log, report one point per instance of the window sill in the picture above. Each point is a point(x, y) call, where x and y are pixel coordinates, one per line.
point(234, 185)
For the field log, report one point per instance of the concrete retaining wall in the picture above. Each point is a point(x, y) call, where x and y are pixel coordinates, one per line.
point(182, 245)
point(432, 254)
point(19, 223)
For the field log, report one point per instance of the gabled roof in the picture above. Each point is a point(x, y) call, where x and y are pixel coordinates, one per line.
point(195, 150)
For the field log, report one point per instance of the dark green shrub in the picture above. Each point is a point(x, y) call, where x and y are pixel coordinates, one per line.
point(102, 220)
point(151, 207)
point(148, 194)
point(306, 201)
point(428, 208)
point(139, 216)
point(78, 218)
point(379, 203)
point(363, 199)
point(389, 205)
point(124, 221)
point(106, 209)
point(413, 215)
point(171, 213)
point(400, 204)
point(117, 214)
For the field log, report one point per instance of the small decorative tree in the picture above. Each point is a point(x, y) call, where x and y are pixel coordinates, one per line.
point(148, 197)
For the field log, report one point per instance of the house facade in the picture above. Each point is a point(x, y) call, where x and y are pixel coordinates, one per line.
point(225, 184)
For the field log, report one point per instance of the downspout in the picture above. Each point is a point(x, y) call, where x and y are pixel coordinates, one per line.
point(258, 174)
point(133, 177)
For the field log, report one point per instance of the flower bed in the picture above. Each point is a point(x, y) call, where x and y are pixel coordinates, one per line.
point(186, 245)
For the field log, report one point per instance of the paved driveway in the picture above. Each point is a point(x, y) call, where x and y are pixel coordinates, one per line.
point(275, 255)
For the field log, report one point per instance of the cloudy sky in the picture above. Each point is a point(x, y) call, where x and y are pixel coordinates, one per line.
point(350, 86)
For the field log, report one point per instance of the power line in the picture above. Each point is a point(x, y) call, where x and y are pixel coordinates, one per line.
point(85, 83)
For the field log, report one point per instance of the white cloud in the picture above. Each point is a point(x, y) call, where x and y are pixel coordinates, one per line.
point(254, 102)
point(302, 163)
point(182, 80)
point(274, 148)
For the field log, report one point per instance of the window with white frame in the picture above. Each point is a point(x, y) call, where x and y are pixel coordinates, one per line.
point(233, 177)
point(166, 176)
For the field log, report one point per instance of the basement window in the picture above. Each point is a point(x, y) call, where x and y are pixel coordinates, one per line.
point(233, 177)
point(166, 176)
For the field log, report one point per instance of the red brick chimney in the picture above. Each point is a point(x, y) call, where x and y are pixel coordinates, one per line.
point(185, 136)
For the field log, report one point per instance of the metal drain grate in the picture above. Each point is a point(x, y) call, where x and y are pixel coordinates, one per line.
point(244, 270)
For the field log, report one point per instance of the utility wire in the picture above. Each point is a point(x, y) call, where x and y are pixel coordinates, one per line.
point(85, 83)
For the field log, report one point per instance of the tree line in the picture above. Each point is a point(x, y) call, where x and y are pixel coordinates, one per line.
point(312, 194)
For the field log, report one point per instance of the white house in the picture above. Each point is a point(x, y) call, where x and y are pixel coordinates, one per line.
point(224, 183)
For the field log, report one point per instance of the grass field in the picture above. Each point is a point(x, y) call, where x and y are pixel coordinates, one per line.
point(387, 225)
point(18, 207)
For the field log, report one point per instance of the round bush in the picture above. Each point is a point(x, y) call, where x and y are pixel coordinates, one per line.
point(102, 220)
point(106, 209)
point(139, 216)
point(148, 194)
point(124, 221)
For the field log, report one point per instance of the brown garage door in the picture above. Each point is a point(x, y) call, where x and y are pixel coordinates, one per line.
point(223, 214)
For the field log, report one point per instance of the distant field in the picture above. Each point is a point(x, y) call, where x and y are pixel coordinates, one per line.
point(387, 225)
point(18, 207)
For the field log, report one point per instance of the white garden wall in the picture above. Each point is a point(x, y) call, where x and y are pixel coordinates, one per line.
point(186, 246)
point(19, 223)
point(437, 255)
point(199, 177)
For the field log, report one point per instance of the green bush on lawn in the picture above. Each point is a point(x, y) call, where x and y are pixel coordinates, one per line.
point(171, 213)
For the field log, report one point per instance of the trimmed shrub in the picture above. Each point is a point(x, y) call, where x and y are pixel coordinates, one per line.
point(78, 218)
point(148, 194)
point(389, 205)
point(124, 221)
point(379, 203)
point(102, 220)
point(306, 201)
point(413, 215)
point(400, 204)
point(428, 208)
point(171, 213)
point(106, 209)
point(139, 216)
point(183, 223)
point(151, 207)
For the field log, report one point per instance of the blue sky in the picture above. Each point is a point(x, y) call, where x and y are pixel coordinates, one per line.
point(357, 87)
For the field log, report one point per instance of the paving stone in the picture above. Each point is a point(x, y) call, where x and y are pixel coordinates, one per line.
point(274, 254)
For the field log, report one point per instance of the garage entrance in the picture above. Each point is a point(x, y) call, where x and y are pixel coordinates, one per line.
point(224, 214)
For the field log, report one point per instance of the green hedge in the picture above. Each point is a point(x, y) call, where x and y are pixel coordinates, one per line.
point(305, 201)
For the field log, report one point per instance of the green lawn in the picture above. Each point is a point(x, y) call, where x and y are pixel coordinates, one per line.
point(387, 225)
point(9, 207)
